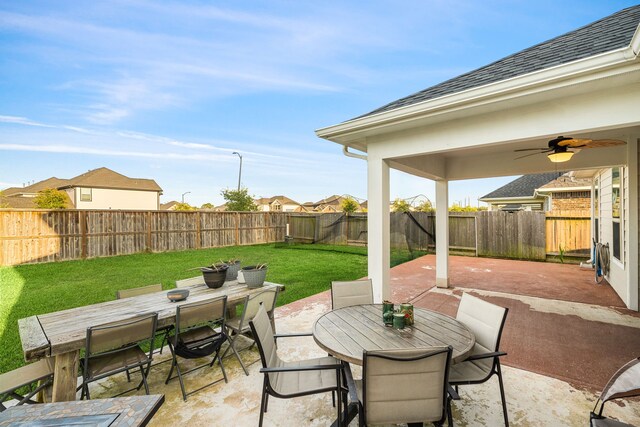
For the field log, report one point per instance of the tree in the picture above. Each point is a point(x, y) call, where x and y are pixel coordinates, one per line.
point(183, 207)
point(349, 205)
point(50, 198)
point(239, 200)
point(425, 206)
point(207, 206)
point(400, 205)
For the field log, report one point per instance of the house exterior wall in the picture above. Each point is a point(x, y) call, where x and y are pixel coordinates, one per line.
point(571, 204)
point(106, 198)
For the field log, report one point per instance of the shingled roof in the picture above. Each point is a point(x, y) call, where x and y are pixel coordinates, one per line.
point(524, 186)
point(605, 35)
point(106, 178)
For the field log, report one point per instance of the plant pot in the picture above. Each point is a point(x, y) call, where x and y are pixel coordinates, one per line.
point(254, 277)
point(215, 279)
point(232, 271)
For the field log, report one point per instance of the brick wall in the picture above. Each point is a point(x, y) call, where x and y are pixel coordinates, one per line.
point(577, 204)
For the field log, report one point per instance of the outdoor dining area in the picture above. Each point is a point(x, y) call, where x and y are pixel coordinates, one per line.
point(225, 355)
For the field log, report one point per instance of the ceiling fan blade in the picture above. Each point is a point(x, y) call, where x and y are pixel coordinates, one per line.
point(528, 155)
point(602, 143)
point(532, 149)
point(573, 142)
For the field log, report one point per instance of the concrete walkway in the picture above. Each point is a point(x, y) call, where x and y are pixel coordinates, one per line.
point(564, 341)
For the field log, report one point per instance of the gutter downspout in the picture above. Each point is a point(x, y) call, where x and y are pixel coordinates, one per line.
point(346, 152)
point(634, 47)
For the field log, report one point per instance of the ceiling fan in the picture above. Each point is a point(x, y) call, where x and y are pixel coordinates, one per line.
point(558, 148)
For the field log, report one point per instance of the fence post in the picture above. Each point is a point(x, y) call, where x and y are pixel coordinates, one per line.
point(83, 233)
point(237, 228)
point(198, 231)
point(149, 231)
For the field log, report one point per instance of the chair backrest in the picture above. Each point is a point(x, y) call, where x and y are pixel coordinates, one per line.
point(405, 385)
point(201, 312)
point(484, 319)
point(121, 334)
point(263, 334)
point(266, 298)
point(198, 280)
point(624, 383)
point(25, 375)
point(355, 292)
point(134, 292)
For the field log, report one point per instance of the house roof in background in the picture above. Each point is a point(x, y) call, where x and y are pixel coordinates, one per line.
point(167, 206)
point(52, 182)
point(605, 35)
point(281, 199)
point(525, 186)
point(567, 181)
point(106, 178)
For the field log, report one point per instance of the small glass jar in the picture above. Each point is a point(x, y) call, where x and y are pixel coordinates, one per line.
point(398, 320)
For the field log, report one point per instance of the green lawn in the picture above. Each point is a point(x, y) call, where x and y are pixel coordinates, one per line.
point(42, 288)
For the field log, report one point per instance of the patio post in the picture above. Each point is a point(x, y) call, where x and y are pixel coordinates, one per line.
point(442, 233)
point(633, 170)
point(378, 226)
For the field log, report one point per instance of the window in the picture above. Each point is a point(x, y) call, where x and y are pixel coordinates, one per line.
point(616, 210)
point(85, 194)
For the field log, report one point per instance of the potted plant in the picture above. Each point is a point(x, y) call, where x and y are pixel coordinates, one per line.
point(214, 275)
point(234, 267)
point(254, 275)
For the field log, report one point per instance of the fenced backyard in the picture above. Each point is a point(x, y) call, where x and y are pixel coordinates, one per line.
point(32, 236)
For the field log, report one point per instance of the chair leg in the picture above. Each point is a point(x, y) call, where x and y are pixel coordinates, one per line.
point(144, 380)
point(224, 373)
point(449, 413)
point(233, 348)
point(504, 402)
point(263, 402)
point(128, 376)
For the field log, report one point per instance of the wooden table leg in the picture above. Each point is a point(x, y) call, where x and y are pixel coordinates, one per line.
point(65, 376)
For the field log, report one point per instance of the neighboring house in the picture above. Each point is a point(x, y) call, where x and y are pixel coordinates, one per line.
point(330, 204)
point(552, 191)
point(169, 206)
point(277, 204)
point(99, 188)
point(581, 85)
point(520, 194)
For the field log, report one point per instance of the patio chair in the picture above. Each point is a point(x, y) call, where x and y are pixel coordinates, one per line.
point(624, 383)
point(114, 347)
point(200, 331)
point(36, 376)
point(198, 280)
point(287, 380)
point(486, 321)
point(240, 325)
point(355, 292)
point(404, 386)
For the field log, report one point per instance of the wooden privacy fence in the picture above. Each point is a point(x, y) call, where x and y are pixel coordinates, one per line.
point(42, 236)
point(520, 235)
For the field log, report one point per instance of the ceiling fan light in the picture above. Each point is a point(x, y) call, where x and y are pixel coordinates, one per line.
point(561, 156)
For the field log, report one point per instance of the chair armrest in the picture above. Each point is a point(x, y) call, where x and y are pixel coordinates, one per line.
point(486, 355)
point(452, 393)
point(301, 334)
point(301, 368)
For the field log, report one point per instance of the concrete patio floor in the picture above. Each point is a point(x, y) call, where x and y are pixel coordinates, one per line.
point(565, 337)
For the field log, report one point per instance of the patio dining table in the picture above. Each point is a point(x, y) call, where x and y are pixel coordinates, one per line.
point(62, 334)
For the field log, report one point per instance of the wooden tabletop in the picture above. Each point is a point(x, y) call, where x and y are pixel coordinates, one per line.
point(347, 332)
point(52, 334)
point(118, 412)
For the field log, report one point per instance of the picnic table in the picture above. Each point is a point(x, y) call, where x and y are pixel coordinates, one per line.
point(62, 334)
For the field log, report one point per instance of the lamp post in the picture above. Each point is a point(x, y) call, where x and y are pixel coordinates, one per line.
point(240, 172)
point(186, 192)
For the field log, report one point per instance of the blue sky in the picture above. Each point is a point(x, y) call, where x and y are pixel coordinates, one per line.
point(169, 90)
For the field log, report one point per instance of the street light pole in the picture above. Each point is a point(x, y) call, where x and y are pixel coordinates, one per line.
point(186, 192)
point(240, 172)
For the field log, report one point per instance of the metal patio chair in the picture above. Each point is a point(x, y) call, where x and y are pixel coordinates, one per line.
point(354, 292)
point(36, 376)
point(240, 325)
point(486, 321)
point(624, 383)
point(287, 380)
point(199, 332)
point(404, 386)
point(114, 347)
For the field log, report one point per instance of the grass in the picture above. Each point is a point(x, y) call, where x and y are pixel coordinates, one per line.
point(28, 290)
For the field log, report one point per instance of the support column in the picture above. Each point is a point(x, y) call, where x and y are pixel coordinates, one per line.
point(378, 223)
point(442, 234)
